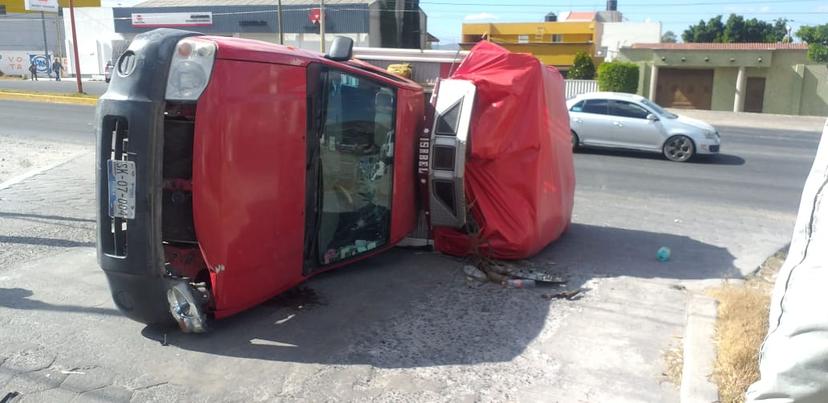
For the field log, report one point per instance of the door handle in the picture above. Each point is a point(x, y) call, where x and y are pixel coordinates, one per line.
point(578, 120)
point(618, 124)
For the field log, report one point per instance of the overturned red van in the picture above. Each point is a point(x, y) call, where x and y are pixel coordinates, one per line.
point(231, 170)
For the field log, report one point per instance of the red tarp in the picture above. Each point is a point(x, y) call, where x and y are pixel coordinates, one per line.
point(520, 180)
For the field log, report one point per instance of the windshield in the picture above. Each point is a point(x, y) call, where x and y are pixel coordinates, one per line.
point(659, 110)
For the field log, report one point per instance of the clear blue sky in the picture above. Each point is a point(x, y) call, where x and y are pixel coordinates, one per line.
point(445, 17)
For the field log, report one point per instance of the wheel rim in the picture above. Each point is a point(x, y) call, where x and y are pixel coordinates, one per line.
point(679, 148)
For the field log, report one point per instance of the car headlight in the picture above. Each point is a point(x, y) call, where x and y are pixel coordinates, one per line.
point(190, 69)
point(711, 135)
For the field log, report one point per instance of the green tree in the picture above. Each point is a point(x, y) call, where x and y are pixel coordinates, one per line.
point(582, 68)
point(736, 29)
point(711, 31)
point(669, 37)
point(618, 77)
point(816, 37)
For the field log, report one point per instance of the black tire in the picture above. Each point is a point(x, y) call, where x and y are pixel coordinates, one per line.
point(679, 148)
point(576, 141)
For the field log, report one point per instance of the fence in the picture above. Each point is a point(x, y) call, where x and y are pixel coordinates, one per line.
point(577, 87)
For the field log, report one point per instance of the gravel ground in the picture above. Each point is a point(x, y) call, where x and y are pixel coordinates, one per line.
point(18, 156)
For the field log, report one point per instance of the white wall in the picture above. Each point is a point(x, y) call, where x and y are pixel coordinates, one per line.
point(95, 31)
point(306, 41)
point(615, 35)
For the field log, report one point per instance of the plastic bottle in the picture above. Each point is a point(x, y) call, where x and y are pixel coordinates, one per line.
point(519, 283)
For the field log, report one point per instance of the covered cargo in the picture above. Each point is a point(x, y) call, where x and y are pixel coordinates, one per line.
point(519, 179)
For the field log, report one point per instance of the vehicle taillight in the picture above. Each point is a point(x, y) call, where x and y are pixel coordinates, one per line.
point(190, 69)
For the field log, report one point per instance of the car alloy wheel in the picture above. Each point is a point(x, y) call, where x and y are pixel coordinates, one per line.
point(679, 148)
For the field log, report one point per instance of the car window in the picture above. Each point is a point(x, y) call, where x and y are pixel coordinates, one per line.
point(597, 106)
point(579, 107)
point(628, 110)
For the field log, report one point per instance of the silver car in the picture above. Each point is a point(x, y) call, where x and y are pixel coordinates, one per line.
point(618, 120)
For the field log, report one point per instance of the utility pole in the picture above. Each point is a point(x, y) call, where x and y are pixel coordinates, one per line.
point(281, 29)
point(322, 26)
point(75, 45)
point(45, 44)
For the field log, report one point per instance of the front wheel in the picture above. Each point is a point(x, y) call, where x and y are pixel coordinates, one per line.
point(575, 141)
point(679, 148)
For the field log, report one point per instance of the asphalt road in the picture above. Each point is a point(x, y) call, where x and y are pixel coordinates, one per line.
point(43, 85)
point(50, 122)
point(761, 169)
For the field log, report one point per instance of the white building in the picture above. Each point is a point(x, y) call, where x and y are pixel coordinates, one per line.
point(615, 35)
point(96, 37)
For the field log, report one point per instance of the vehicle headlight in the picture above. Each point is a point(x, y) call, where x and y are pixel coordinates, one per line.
point(711, 134)
point(190, 69)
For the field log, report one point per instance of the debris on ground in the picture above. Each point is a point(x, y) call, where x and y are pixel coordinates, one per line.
point(570, 295)
point(510, 275)
point(475, 273)
point(519, 283)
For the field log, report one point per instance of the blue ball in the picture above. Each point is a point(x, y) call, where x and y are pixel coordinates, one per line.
point(663, 254)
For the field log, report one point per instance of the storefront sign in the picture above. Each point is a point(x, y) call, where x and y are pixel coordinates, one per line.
point(49, 6)
point(157, 20)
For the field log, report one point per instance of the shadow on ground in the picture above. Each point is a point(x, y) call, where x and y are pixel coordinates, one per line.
point(20, 298)
point(720, 159)
point(412, 309)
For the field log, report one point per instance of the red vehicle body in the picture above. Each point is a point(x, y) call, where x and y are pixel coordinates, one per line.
point(231, 170)
point(212, 224)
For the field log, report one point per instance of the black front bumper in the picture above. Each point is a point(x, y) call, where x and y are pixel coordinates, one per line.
point(130, 126)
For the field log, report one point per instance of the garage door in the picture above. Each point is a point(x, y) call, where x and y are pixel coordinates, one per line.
point(685, 88)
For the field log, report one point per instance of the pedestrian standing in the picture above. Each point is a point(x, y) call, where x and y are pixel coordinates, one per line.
point(57, 67)
point(33, 70)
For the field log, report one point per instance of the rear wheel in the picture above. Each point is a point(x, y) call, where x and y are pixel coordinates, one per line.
point(679, 148)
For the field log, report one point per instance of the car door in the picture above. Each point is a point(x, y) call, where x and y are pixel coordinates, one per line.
point(591, 122)
point(631, 128)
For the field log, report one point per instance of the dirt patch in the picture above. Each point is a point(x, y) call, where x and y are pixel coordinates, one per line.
point(741, 327)
point(19, 156)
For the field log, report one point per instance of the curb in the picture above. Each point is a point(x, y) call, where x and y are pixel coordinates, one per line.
point(56, 99)
point(699, 352)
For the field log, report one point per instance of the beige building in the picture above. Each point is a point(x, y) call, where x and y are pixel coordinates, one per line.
point(750, 77)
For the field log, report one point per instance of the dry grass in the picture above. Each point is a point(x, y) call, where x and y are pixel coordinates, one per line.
point(674, 358)
point(740, 329)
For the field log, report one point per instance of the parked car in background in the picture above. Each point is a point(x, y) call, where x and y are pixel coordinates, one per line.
point(108, 71)
point(628, 121)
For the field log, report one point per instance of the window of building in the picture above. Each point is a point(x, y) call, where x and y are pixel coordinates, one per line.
point(523, 38)
point(557, 38)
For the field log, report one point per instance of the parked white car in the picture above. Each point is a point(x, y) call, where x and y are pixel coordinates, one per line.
point(618, 120)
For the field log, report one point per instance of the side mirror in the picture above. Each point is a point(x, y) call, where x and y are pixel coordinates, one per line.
point(652, 118)
point(342, 49)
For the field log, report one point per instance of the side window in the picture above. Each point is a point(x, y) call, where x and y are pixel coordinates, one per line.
point(579, 107)
point(596, 106)
point(628, 110)
point(357, 157)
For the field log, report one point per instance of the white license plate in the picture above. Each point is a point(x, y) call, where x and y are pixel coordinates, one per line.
point(121, 188)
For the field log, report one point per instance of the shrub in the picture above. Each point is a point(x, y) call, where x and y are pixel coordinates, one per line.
point(582, 68)
point(618, 77)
